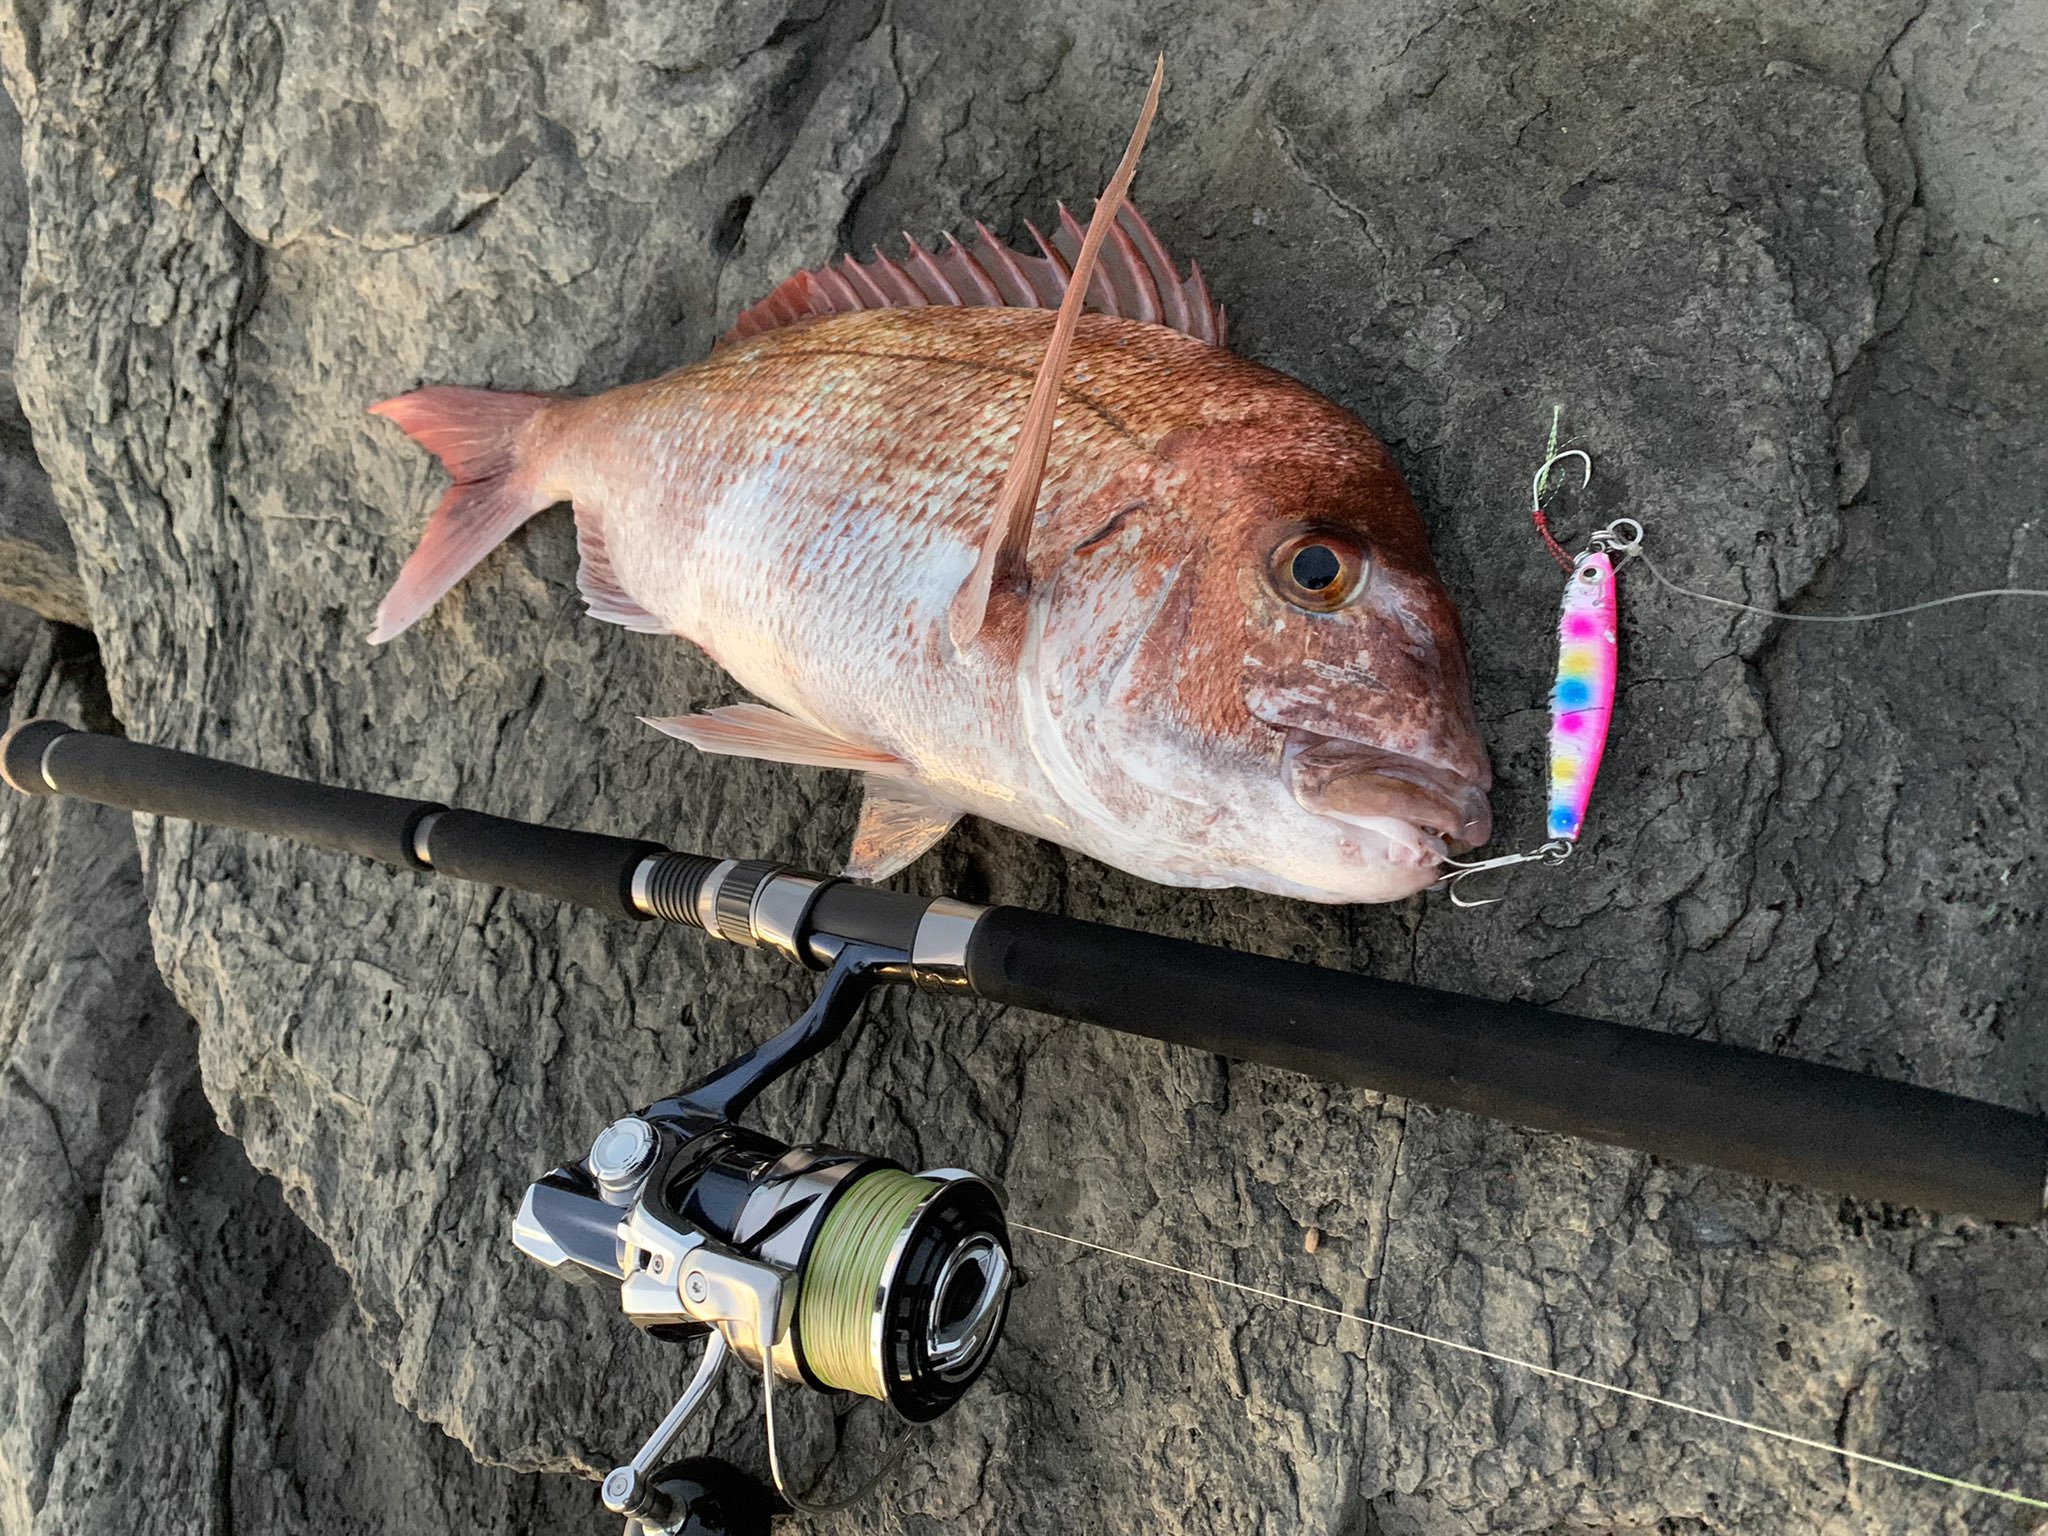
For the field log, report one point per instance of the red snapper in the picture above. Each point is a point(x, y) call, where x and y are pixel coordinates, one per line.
point(1183, 619)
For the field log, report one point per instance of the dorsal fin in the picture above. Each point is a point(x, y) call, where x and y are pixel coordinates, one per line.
point(1134, 278)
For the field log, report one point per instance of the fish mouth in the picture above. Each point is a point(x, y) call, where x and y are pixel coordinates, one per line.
point(1373, 788)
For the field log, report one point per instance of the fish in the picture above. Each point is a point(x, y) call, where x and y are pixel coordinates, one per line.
point(1014, 536)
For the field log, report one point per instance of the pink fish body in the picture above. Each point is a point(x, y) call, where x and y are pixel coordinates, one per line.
point(1226, 658)
point(1582, 699)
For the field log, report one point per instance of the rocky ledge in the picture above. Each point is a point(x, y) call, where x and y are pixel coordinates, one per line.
point(1785, 270)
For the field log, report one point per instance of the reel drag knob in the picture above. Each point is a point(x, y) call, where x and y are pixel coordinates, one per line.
point(620, 1156)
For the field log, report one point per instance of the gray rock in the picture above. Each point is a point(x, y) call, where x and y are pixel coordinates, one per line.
point(1752, 252)
point(177, 1352)
point(13, 248)
point(38, 567)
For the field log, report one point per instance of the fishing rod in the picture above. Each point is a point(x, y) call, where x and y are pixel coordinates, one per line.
point(846, 1274)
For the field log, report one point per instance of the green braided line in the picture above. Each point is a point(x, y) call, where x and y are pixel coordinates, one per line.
point(836, 1306)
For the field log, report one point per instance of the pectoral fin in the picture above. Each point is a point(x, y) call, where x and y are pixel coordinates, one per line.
point(756, 730)
point(898, 821)
point(1001, 569)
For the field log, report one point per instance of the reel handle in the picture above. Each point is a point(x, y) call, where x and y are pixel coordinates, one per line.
point(715, 1498)
point(635, 1489)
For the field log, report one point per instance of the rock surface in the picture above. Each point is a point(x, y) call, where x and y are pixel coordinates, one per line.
point(38, 568)
point(1785, 269)
point(178, 1354)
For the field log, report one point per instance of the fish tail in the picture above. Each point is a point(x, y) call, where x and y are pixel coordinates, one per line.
point(482, 438)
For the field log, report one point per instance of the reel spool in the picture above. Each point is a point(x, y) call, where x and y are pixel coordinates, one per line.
point(820, 1269)
point(903, 1291)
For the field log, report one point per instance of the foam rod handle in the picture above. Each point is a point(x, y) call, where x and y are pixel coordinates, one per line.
point(45, 757)
point(587, 869)
point(1693, 1101)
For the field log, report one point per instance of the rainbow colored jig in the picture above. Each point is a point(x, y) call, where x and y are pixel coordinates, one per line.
point(1582, 697)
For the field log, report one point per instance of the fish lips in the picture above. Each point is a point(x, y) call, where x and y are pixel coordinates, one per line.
point(1353, 782)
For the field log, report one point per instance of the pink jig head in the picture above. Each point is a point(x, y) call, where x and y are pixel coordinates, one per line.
point(1582, 698)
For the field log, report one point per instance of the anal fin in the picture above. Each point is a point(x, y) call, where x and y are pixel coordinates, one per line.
point(898, 822)
point(758, 730)
point(598, 581)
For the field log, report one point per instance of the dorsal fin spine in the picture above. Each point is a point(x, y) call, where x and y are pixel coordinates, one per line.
point(1021, 292)
point(1208, 310)
point(1134, 278)
point(863, 282)
point(1144, 291)
point(906, 293)
point(1056, 260)
point(1160, 265)
point(838, 291)
point(1101, 291)
point(928, 271)
point(986, 293)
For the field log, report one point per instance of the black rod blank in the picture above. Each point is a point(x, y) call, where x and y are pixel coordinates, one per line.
point(1696, 1101)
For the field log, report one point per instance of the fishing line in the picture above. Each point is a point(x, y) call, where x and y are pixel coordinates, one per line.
point(847, 1271)
point(1805, 1442)
point(1634, 550)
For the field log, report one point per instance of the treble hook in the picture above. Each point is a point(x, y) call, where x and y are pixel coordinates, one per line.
point(1556, 851)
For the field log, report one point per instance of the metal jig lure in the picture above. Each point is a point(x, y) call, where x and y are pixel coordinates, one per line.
point(1582, 697)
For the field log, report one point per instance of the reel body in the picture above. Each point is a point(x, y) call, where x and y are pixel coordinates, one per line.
point(818, 1268)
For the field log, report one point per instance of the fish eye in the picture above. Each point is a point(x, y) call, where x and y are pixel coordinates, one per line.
point(1318, 570)
point(1314, 567)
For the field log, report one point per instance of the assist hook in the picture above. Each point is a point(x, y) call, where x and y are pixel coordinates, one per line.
point(1540, 482)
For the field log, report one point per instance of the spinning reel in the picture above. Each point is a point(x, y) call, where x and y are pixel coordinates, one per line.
point(821, 1269)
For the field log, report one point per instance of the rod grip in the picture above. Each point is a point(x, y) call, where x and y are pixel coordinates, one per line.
point(44, 757)
point(586, 869)
point(1693, 1101)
